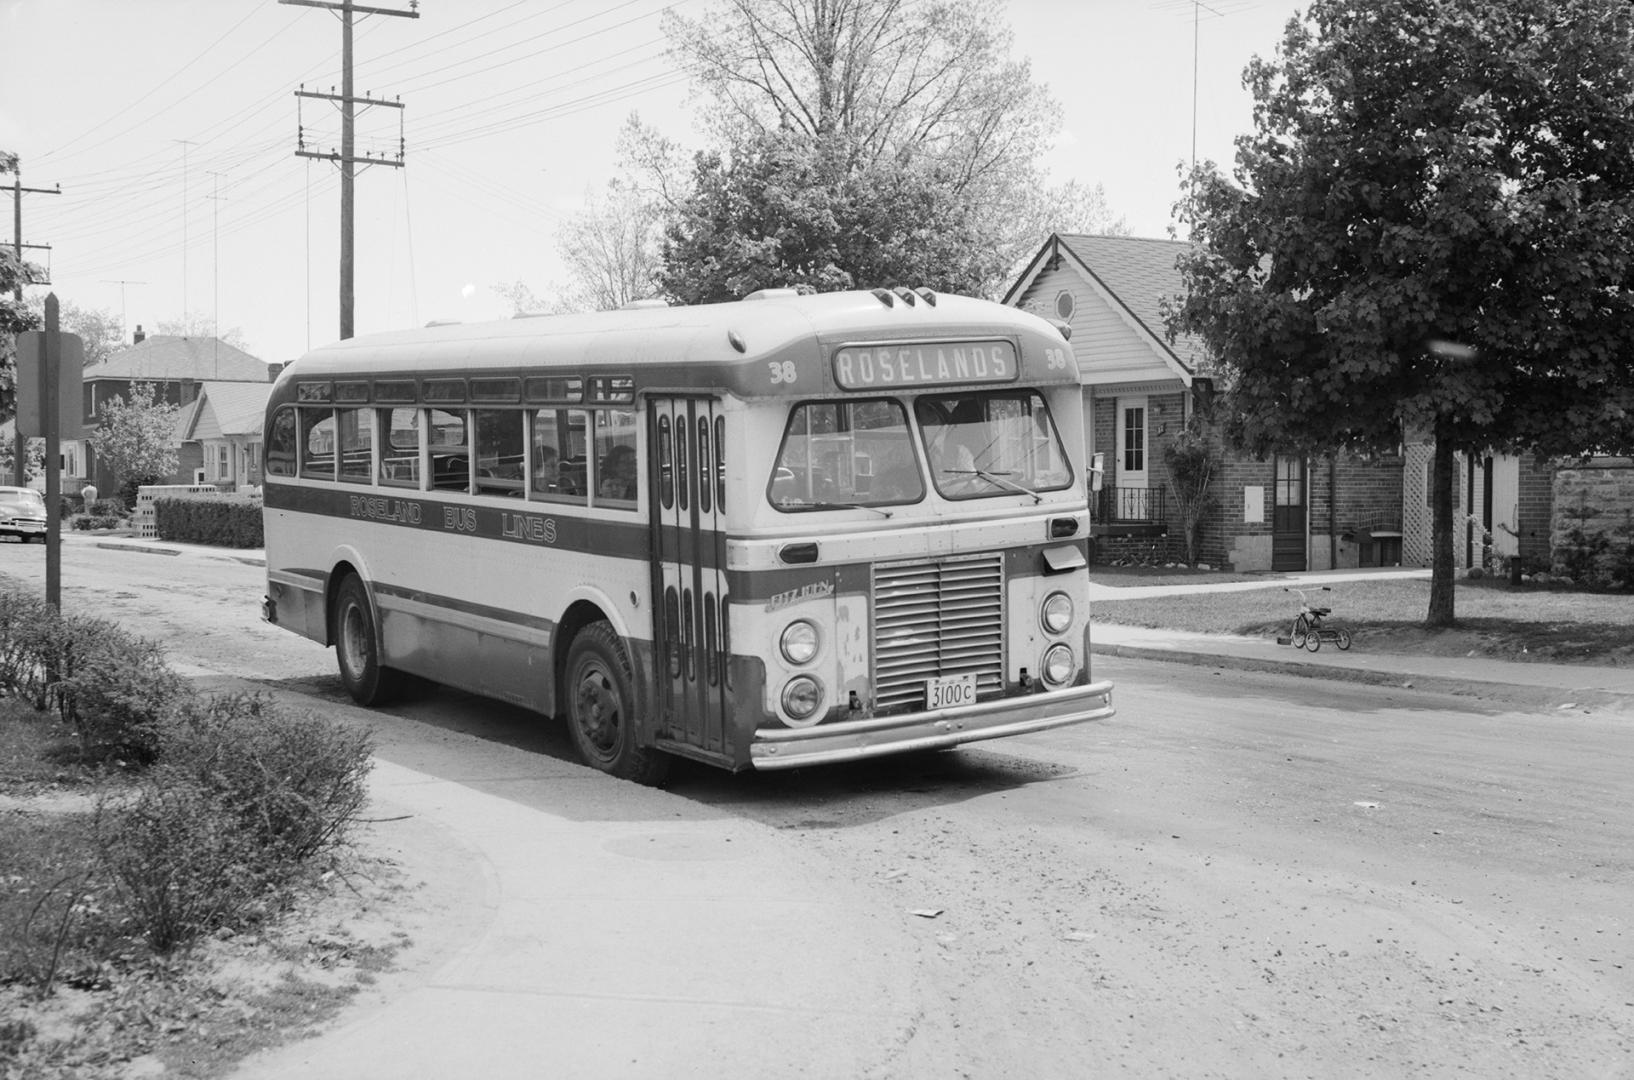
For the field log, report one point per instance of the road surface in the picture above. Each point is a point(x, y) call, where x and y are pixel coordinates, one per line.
point(1240, 875)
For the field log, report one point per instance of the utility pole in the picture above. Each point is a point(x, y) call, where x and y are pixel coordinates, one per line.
point(215, 273)
point(19, 457)
point(347, 156)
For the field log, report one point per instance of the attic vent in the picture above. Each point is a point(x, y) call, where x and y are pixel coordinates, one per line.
point(1065, 304)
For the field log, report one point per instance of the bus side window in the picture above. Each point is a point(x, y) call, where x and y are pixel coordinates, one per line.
point(499, 451)
point(557, 464)
point(318, 443)
point(450, 456)
point(281, 443)
point(356, 445)
point(616, 465)
point(399, 447)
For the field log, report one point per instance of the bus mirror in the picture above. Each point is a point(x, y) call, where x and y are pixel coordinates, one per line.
point(1097, 471)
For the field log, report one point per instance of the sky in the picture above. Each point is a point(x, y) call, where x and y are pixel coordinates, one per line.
point(171, 128)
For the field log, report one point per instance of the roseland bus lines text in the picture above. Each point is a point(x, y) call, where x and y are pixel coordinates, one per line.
point(530, 528)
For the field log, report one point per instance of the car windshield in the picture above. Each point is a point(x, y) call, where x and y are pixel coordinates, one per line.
point(22, 501)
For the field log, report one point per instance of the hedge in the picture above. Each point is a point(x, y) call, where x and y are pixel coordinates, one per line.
point(223, 520)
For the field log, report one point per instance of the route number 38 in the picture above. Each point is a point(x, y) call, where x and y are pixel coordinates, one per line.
point(781, 371)
point(1056, 359)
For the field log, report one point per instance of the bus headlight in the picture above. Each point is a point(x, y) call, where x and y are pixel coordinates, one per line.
point(1056, 614)
point(1058, 665)
point(802, 696)
point(799, 642)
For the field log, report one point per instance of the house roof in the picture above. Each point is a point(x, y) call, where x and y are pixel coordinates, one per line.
point(1135, 274)
point(163, 358)
point(1140, 272)
point(238, 408)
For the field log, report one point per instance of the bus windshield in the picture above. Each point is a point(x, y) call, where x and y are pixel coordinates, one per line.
point(863, 453)
point(991, 444)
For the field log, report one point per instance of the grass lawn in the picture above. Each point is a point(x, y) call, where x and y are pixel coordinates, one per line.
point(1527, 622)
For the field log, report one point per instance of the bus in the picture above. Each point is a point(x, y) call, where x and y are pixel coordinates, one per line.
point(783, 531)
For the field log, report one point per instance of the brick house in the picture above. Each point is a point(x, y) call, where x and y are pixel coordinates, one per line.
point(1141, 389)
point(222, 429)
point(179, 368)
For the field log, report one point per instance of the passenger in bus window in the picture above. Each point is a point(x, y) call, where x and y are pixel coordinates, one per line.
point(618, 473)
point(547, 473)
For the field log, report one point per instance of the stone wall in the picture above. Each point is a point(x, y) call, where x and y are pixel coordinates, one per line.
point(1591, 538)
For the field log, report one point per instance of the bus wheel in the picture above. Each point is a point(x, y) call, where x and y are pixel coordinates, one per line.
point(357, 649)
point(601, 707)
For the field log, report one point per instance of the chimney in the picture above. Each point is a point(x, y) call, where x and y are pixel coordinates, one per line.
point(137, 338)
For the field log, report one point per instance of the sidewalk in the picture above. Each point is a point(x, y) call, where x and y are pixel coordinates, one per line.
point(1530, 684)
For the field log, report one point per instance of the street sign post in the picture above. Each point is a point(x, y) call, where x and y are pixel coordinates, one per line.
point(49, 365)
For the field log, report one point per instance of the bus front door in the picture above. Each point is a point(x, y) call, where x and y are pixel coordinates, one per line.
point(689, 576)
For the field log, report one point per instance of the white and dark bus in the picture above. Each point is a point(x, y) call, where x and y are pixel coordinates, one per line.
point(778, 532)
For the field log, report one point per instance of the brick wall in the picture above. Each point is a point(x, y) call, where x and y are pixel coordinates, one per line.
point(1592, 536)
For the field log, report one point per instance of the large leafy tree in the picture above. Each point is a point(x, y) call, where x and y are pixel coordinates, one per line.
point(916, 102)
point(791, 211)
point(135, 436)
point(14, 317)
point(1431, 231)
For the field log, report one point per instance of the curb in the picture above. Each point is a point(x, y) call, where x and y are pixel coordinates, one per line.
point(1513, 693)
point(208, 553)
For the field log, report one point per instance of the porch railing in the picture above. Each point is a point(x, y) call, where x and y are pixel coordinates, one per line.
point(1130, 506)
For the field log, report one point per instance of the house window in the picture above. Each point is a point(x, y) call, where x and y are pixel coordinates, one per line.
point(1134, 439)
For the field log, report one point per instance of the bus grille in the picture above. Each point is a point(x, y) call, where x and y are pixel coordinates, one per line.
point(936, 619)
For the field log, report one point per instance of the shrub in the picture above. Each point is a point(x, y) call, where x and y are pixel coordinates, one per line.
point(295, 780)
point(92, 523)
point(115, 690)
point(20, 616)
point(182, 865)
point(225, 520)
point(245, 793)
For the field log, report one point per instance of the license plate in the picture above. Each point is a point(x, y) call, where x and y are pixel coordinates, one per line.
point(949, 690)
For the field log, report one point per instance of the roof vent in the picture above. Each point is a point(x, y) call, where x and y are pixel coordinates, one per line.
point(907, 296)
point(645, 303)
point(885, 296)
point(928, 296)
point(772, 294)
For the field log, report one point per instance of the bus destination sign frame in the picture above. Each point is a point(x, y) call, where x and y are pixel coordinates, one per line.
point(896, 365)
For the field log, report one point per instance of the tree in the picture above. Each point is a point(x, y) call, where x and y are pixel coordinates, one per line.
point(611, 248)
point(1430, 230)
point(1190, 462)
point(136, 436)
point(101, 331)
point(15, 318)
point(919, 102)
point(194, 325)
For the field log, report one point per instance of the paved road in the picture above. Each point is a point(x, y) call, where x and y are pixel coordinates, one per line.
point(1240, 875)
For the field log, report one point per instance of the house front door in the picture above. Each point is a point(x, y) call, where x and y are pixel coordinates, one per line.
point(1288, 515)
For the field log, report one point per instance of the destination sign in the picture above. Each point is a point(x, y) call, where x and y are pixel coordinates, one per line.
point(941, 363)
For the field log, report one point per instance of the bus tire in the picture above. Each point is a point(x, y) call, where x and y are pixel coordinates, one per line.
point(357, 647)
point(599, 690)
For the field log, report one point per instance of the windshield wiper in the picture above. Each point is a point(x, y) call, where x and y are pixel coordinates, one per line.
point(997, 480)
point(853, 506)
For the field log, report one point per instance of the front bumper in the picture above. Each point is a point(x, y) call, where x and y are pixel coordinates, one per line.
point(855, 740)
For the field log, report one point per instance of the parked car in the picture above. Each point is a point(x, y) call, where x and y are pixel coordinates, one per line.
point(22, 514)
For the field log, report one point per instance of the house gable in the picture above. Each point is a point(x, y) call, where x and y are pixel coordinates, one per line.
point(1115, 338)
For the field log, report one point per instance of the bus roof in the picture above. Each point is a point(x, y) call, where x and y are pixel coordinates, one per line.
point(744, 347)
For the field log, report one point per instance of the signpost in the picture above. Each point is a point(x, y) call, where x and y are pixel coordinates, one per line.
point(49, 370)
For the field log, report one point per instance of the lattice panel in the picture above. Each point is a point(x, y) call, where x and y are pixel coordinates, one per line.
point(1416, 521)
